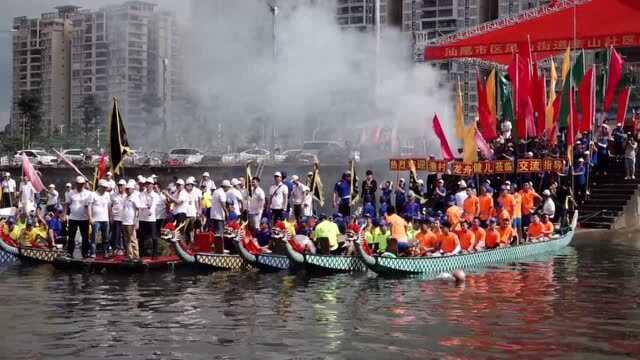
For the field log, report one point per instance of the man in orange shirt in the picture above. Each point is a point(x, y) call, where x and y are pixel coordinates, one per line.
point(492, 236)
point(449, 243)
point(454, 214)
point(506, 201)
point(485, 205)
point(535, 232)
point(547, 226)
point(427, 240)
point(479, 233)
point(466, 237)
point(517, 211)
point(398, 227)
point(506, 233)
point(529, 197)
point(471, 205)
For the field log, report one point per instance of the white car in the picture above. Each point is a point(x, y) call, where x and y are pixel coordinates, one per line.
point(74, 155)
point(254, 155)
point(186, 156)
point(230, 158)
point(37, 157)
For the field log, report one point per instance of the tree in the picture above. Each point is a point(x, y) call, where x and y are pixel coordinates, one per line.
point(91, 111)
point(30, 107)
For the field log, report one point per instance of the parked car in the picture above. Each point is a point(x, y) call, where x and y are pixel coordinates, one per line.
point(330, 151)
point(38, 157)
point(74, 155)
point(230, 158)
point(254, 155)
point(186, 156)
point(287, 155)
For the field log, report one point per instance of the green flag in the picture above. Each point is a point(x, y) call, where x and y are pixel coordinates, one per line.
point(506, 103)
point(577, 73)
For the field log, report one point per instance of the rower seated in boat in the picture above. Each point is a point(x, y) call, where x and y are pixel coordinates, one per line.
point(34, 235)
point(9, 231)
point(535, 231)
point(492, 236)
point(507, 233)
point(479, 233)
point(427, 240)
point(351, 235)
point(547, 226)
point(449, 242)
point(305, 243)
point(467, 238)
point(326, 236)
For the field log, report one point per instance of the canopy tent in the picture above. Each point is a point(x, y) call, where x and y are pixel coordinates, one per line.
point(548, 30)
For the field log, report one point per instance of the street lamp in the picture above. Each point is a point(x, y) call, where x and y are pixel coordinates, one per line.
point(273, 8)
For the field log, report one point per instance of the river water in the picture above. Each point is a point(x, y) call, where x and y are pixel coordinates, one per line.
point(581, 303)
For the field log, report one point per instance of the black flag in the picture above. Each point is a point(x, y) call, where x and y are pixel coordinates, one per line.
point(118, 143)
point(355, 193)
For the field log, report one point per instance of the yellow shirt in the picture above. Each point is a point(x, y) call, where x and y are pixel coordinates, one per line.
point(329, 230)
point(31, 237)
point(206, 200)
point(291, 228)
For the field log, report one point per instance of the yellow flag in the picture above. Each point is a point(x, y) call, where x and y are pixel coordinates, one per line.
point(491, 92)
point(469, 149)
point(459, 125)
point(552, 97)
point(566, 64)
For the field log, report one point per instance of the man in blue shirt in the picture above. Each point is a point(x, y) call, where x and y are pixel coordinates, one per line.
point(342, 195)
point(57, 226)
point(580, 180)
point(401, 197)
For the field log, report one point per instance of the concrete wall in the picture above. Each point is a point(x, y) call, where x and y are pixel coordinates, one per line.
point(630, 217)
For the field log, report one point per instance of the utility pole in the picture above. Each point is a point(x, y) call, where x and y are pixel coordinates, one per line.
point(165, 64)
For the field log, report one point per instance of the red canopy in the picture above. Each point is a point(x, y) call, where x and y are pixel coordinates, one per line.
point(550, 30)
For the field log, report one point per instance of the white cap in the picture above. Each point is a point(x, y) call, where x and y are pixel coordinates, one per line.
point(131, 184)
point(580, 160)
point(109, 173)
point(67, 185)
point(190, 181)
point(122, 182)
point(440, 181)
point(295, 178)
point(180, 182)
point(140, 178)
point(277, 173)
point(103, 183)
point(420, 181)
point(154, 176)
point(546, 193)
point(80, 180)
point(226, 183)
point(235, 182)
point(7, 174)
point(206, 173)
point(462, 184)
point(51, 186)
point(507, 182)
point(151, 180)
point(191, 178)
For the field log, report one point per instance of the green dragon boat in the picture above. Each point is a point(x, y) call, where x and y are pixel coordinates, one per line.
point(400, 266)
point(264, 262)
point(324, 264)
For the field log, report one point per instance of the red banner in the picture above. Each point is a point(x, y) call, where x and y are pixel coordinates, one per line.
point(492, 167)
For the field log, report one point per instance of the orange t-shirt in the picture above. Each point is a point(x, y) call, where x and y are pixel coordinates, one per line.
point(517, 206)
point(535, 230)
point(427, 239)
point(492, 238)
point(504, 214)
point(480, 234)
point(471, 207)
point(467, 239)
point(506, 234)
point(398, 227)
point(486, 207)
point(507, 203)
point(454, 214)
point(547, 228)
point(447, 242)
point(528, 201)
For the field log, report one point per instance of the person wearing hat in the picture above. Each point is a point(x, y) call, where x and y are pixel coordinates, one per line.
point(548, 205)
point(78, 206)
point(234, 198)
point(439, 196)
point(401, 194)
point(9, 188)
point(207, 182)
point(278, 197)
point(386, 190)
point(27, 196)
point(118, 197)
point(630, 150)
point(110, 181)
point(298, 196)
point(369, 187)
point(100, 217)
point(129, 213)
point(147, 219)
point(187, 207)
point(218, 213)
point(255, 203)
point(462, 194)
point(342, 195)
point(57, 225)
point(53, 199)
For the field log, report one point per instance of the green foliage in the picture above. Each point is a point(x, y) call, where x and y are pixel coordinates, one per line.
point(30, 108)
point(91, 112)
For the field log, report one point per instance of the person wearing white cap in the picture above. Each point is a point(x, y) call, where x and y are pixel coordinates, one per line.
point(187, 207)
point(161, 207)
point(548, 205)
point(255, 205)
point(278, 197)
point(77, 205)
point(27, 196)
point(130, 210)
point(100, 216)
point(234, 197)
point(118, 197)
point(53, 199)
point(195, 188)
point(110, 181)
point(298, 195)
point(147, 219)
point(218, 213)
point(9, 188)
point(207, 182)
point(461, 195)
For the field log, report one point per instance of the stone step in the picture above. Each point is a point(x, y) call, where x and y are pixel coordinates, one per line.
point(611, 191)
point(595, 225)
point(594, 208)
point(606, 203)
point(598, 219)
point(618, 196)
point(610, 185)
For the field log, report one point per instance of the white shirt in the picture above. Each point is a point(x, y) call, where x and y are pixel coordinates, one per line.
point(234, 197)
point(27, 194)
point(52, 197)
point(78, 202)
point(188, 203)
point(549, 208)
point(112, 184)
point(278, 194)
point(100, 206)
point(148, 203)
point(297, 194)
point(256, 202)
point(208, 184)
point(461, 196)
point(129, 206)
point(117, 201)
point(161, 206)
point(218, 201)
point(8, 186)
point(307, 209)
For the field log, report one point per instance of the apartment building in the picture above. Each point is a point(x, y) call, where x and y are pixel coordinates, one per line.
point(507, 8)
point(41, 57)
point(359, 14)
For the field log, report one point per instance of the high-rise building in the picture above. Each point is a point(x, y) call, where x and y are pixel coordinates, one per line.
point(41, 57)
point(507, 8)
point(359, 14)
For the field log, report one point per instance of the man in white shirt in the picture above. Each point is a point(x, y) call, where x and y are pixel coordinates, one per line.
point(130, 210)
point(207, 182)
point(187, 207)
point(77, 205)
point(278, 198)
point(298, 195)
point(234, 197)
point(100, 209)
point(461, 195)
point(255, 204)
point(118, 197)
point(8, 190)
point(161, 207)
point(27, 202)
point(548, 206)
point(109, 178)
point(218, 212)
point(53, 199)
point(147, 218)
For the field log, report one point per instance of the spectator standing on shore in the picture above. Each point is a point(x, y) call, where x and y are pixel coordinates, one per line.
point(630, 149)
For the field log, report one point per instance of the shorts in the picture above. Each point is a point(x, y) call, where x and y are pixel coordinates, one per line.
point(517, 223)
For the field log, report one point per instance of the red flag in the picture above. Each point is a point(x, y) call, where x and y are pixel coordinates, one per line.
point(444, 144)
point(487, 123)
point(102, 166)
point(30, 173)
point(482, 145)
point(615, 75)
point(586, 94)
point(539, 99)
point(520, 75)
point(573, 127)
point(623, 104)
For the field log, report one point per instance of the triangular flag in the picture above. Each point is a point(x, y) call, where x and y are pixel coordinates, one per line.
point(615, 75)
point(623, 105)
point(586, 94)
point(459, 126)
point(30, 173)
point(549, 114)
point(444, 144)
point(118, 143)
point(469, 149)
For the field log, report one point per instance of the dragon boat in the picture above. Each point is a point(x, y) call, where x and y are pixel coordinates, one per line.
point(402, 266)
point(11, 252)
point(117, 264)
point(258, 258)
